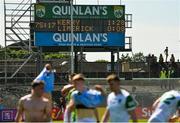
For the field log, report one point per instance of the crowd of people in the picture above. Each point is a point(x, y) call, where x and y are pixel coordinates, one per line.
point(82, 102)
point(167, 67)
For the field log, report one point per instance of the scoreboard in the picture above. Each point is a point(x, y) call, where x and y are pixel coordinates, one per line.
point(93, 25)
point(64, 25)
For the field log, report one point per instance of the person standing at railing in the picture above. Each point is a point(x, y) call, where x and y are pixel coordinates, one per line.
point(163, 76)
point(166, 53)
point(171, 75)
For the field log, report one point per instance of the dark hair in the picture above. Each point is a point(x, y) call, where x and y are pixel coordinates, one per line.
point(112, 77)
point(48, 66)
point(36, 83)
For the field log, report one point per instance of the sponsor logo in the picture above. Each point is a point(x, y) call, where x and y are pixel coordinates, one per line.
point(79, 10)
point(118, 11)
point(66, 37)
point(40, 11)
point(8, 115)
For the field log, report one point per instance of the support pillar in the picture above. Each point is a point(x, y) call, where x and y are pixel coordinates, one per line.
point(118, 63)
point(75, 62)
point(39, 61)
point(112, 61)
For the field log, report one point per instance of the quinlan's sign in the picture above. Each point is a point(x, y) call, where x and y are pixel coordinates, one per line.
point(46, 11)
point(80, 39)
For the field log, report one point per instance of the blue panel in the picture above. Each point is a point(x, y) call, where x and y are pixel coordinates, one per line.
point(80, 39)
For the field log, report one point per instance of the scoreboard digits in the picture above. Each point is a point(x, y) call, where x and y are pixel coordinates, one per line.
point(64, 25)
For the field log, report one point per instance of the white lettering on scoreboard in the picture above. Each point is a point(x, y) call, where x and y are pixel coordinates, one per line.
point(66, 37)
point(66, 10)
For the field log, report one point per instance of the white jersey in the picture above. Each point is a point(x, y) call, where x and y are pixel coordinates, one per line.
point(119, 105)
point(167, 107)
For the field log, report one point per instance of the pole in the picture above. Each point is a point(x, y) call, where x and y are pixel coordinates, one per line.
point(118, 63)
point(30, 32)
point(76, 67)
point(72, 41)
point(5, 57)
point(112, 61)
point(149, 68)
point(132, 66)
point(98, 2)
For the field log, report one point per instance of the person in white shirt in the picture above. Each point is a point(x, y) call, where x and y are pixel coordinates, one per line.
point(120, 104)
point(165, 107)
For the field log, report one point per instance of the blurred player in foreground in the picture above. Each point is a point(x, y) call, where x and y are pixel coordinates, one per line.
point(165, 107)
point(66, 92)
point(84, 100)
point(34, 106)
point(120, 104)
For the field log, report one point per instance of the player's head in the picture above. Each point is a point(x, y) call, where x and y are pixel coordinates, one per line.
point(114, 82)
point(70, 77)
point(78, 81)
point(38, 87)
point(48, 67)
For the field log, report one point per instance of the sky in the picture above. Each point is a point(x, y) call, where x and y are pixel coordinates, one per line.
point(156, 24)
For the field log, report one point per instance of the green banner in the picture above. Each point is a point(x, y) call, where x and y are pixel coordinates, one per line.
point(46, 11)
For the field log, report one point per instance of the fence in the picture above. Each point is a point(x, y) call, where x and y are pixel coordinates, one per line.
point(144, 90)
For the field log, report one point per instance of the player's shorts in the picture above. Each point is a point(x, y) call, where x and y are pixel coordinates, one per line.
point(86, 115)
point(87, 120)
point(153, 120)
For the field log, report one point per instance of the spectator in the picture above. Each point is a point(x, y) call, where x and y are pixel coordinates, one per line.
point(166, 53)
point(171, 74)
point(161, 59)
point(61, 106)
point(154, 68)
point(172, 59)
point(173, 66)
point(62, 103)
point(163, 75)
